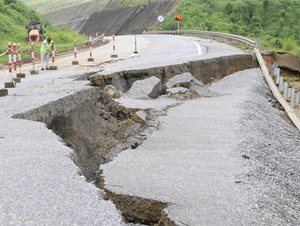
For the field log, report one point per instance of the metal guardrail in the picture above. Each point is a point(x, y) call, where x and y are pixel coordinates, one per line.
point(218, 36)
point(98, 38)
point(288, 109)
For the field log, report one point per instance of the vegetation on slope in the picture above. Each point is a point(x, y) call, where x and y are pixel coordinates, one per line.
point(14, 16)
point(46, 6)
point(275, 22)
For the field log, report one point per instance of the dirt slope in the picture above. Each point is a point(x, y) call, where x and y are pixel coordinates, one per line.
point(116, 19)
point(74, 13)
point(129, 20)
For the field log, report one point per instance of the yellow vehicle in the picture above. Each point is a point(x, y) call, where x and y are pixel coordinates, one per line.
point(35, 32)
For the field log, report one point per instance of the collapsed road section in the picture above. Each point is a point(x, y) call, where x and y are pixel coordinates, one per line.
point(98, 128)
point(131, 114)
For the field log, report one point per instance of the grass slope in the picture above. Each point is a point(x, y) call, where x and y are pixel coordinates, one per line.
point(46, 6)
point(275, 22)
point(14, 16)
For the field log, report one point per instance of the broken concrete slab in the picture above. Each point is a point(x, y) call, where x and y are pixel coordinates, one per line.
point(146, 89)
point(75, 62)
point(177, 90)
point(182, 80)
point(197, 89)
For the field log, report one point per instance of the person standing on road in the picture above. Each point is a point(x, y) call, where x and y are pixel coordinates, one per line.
point(46, 52)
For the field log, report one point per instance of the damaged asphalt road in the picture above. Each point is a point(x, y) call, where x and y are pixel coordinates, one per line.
point(199, 165)
point(195, 162)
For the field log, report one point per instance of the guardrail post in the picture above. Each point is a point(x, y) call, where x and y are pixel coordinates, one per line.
point(280, 84)
point(289, 92)
point(20, 74)
point(33, 71)
point(298, 98)
point(293, 98)
point(277, 70)
point(96, 34)
point(258, 44)
point(11, 83)
point(91, 54)
point(75, 62)
point(53, 57)
point(285, 93)
point(3, 91)
point(16, 80)
point(114, 55)
point(135, 48)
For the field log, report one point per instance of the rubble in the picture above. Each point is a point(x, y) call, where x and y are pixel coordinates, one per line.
point(146, 89)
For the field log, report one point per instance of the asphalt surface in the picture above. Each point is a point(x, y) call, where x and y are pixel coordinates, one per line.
point(187, 163)
point(39, 182)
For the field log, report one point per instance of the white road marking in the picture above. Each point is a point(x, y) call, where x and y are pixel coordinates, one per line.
point(131, 56)
point(198, 47)
point(144, 47)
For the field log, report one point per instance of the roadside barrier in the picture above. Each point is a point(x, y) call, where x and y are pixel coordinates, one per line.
point(20, 74)
point(135, 48)
point(52, 67)
point(91, 53)
point(113, 38)
point(10, 83)
point(3, 53)
point(218, 36)
point(33, 71)
point(288, 109)
point(114, 55)
point(75, 62)
point(11, 78)
point(3, 91)
point(16, 80)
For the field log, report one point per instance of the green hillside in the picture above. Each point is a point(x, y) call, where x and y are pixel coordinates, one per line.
point(14, 16)
point(275, 22)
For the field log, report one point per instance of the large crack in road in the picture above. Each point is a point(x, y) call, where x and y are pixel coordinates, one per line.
point(98, 128)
